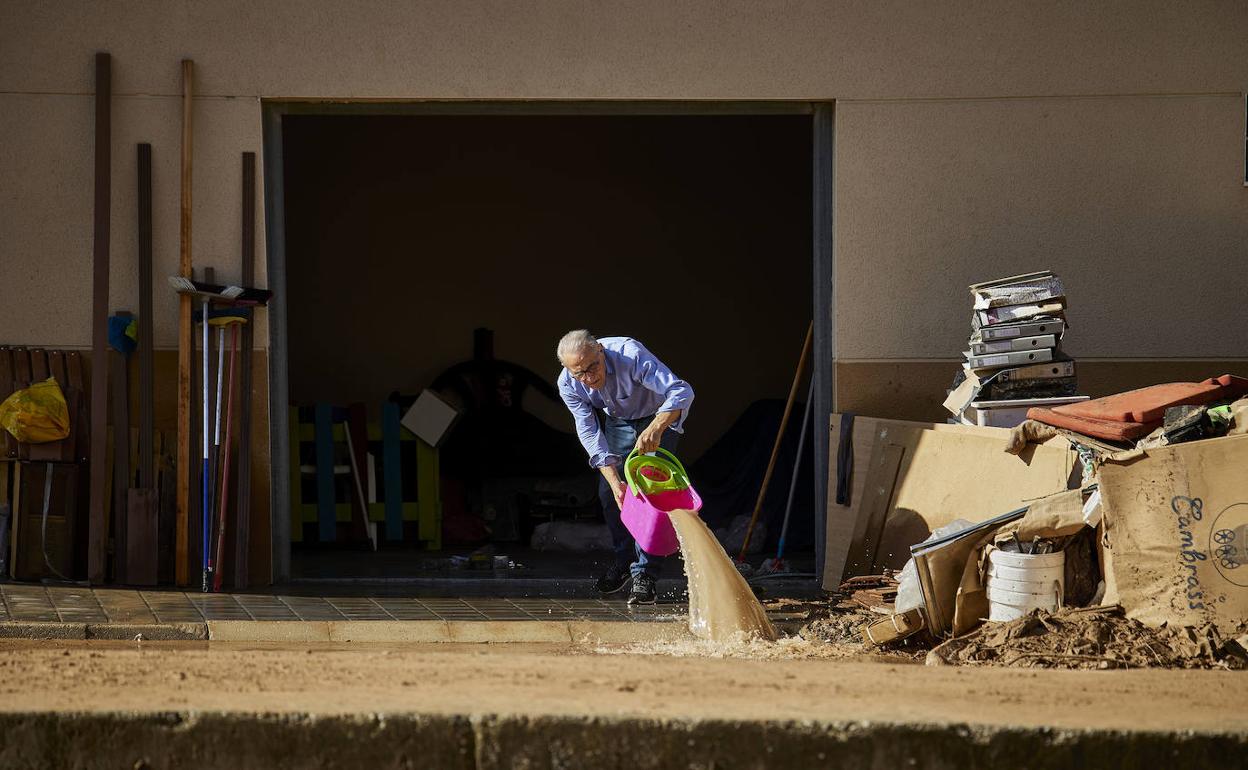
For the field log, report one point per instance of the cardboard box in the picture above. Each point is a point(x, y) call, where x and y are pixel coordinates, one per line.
point(1176, 524)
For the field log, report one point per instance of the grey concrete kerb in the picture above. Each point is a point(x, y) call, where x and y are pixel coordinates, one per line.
point(462, 631)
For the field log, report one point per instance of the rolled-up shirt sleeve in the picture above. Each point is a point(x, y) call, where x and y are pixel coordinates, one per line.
point(588, 429)
point(654, 375)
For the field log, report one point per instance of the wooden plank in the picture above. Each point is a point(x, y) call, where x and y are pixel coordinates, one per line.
point(392, 463)
point(142, 539)
point(328, 522)
point(881, 475)
point(185, 344)
point(62, 522)
point(121, 463)
point(39, 372)
point(15, 521)
point(38, 365)
point(242, 536)
point(166, 520)
point(56, 369)
point(6, 512)
point(82, 423)
point(21, 379)
point(97, 533)
point(147, 458)
point(8, 445)
point(21, 368)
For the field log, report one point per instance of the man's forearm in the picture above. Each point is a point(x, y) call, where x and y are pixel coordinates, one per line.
point(664, 420)
point(611, 475)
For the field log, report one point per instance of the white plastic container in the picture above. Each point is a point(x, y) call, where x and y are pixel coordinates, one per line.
point(1020, 582)
point(1008, 413)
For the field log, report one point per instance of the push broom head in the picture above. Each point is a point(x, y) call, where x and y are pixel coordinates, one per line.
point(225, 316)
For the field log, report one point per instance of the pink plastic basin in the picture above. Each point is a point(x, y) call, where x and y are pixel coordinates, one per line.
point(648, 522)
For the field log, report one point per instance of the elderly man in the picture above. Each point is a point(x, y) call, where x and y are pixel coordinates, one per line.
point(621, 397)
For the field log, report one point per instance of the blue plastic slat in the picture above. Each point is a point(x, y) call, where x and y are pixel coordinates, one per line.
point(326, 515)
point(392, 463)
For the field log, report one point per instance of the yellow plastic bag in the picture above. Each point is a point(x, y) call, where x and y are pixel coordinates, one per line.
point(36, 414)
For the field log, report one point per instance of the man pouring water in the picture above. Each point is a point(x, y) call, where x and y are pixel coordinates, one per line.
point(622, 397)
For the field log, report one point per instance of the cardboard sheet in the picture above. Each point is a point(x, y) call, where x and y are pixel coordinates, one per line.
point(1176, 523)
point(1055, 516)
point(946, 476)
point(945, 472)
point(844, 528)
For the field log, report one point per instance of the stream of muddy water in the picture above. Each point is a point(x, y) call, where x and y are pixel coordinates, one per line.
point(722, 607)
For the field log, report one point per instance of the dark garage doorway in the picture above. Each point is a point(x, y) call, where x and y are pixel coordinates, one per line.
point(406, 236)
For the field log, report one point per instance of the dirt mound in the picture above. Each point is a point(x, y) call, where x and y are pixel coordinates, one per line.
point(1096, 637)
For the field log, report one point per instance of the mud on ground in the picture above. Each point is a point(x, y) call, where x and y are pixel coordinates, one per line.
point(1076, 638)
point(1093, 637)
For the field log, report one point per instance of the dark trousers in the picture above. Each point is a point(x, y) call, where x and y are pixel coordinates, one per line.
point(621, 438)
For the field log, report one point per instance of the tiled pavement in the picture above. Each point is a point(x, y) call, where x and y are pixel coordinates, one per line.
point(70, 604)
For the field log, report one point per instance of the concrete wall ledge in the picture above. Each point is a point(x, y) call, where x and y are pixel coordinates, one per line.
point(25, 629)
point(150, 632)
point(541, 742)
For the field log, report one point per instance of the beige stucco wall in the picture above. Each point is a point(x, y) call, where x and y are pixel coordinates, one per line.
point(960, 154)
point(47, 189)
point(1137, 202)
point(636, 49)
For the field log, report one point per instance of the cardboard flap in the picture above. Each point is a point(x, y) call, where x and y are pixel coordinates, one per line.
point(1049, 517)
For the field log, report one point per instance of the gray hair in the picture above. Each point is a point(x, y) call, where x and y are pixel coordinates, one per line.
point(575, 342)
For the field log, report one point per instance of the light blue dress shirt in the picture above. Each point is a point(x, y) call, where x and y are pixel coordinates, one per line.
point(637, 385)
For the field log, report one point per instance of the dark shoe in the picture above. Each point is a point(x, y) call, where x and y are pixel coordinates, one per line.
point(643, 590)
point(613, 580)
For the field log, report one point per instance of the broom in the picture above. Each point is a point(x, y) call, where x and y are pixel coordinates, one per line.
point(778, 564)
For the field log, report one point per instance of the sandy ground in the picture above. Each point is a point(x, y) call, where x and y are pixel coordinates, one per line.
point(589, 680)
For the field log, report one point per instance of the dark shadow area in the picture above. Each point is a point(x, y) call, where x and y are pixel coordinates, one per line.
point(407, 233)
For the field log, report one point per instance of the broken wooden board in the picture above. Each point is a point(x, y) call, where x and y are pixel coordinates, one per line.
point(850, 550)
point(142, 539)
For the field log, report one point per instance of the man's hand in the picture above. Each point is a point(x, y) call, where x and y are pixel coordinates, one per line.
point(648, 440)
point(616, 483)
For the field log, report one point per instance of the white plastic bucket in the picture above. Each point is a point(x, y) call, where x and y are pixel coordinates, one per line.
point(1020, 582)
point(1042, 587)
point(1027, 560)
point(1040, 575)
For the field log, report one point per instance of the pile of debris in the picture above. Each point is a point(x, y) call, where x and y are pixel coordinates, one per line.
point(1095, 638)
point(871, 592)
point(1117, 536)
point(1162, 415)
point(1014, 360)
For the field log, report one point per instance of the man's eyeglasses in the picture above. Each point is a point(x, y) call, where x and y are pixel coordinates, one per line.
point(581, 374)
